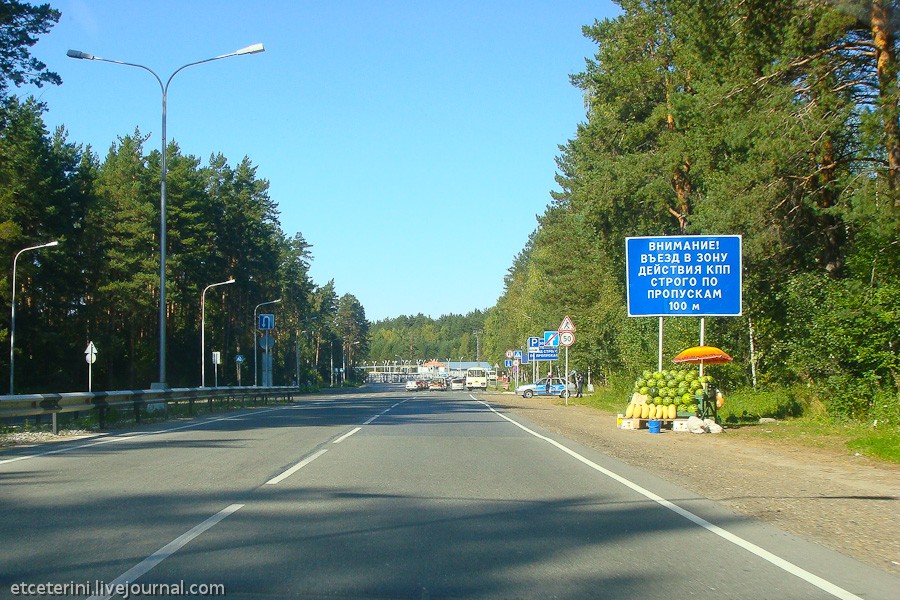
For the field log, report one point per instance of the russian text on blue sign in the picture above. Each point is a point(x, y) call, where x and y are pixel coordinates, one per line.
point(266, 322)
point(693, 275)
point(545, 354)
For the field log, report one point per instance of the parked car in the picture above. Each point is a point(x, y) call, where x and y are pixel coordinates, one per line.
point(557, 388)
point(411, 385)
point(458, 384)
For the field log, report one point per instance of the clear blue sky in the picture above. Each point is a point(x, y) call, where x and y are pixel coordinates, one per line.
point(411, 142)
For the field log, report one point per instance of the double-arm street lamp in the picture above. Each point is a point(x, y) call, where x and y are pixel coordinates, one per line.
point(12, 315)
point(164, 88)
point(203, 329)
point(255, 337)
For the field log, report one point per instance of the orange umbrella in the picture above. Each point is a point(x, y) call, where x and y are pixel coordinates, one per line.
point(708, 355)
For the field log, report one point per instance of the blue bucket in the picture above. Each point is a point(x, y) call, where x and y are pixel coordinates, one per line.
point(654, 426)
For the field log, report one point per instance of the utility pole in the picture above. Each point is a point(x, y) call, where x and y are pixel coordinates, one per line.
point(477, 333)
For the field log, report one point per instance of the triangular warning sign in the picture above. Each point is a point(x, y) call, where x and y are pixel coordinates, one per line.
point(567, 326)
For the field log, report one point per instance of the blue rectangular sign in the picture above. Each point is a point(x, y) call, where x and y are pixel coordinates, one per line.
point(693, 275)
point(266, 322)
point(545, 354)
point(534, 342)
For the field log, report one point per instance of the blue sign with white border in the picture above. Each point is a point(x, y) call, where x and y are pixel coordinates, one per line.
point(693, 275)
point(266, 322)
point(545, 354)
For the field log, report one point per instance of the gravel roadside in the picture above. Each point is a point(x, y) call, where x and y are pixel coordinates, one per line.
point(847, 503)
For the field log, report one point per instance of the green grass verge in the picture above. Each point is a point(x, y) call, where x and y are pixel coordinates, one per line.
point(884, 445)
point(744, 408)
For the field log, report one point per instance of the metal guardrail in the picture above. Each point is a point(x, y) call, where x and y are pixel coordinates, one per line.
point(36, 405)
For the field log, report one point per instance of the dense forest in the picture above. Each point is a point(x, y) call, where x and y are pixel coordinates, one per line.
point(418, 337)
point(101, 282)
point(775, 120)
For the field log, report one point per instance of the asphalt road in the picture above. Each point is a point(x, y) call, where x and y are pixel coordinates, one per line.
point(383, 493)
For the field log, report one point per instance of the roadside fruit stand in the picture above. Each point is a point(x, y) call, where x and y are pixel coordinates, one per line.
point(671, 397)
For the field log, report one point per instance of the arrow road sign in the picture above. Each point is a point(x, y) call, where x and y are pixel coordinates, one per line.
point(90, 353)
point(266, 322)
point(551, 339)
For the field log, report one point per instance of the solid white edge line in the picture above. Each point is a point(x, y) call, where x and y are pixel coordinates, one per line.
point(346, 435)
point(762, 553)
point(166, 551)
point(297, 467)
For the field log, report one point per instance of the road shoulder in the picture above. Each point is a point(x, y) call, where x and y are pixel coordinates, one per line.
point(846, 503)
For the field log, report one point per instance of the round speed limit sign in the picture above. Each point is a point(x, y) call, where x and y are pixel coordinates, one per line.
point(566, 338)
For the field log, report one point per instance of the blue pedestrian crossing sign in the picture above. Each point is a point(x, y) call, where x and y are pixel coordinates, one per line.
point(266, 322)
point(239, 358)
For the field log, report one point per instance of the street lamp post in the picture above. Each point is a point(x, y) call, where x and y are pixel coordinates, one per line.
point(164, 88)
point(203, 328)
point(12, 315)
point(255, 327)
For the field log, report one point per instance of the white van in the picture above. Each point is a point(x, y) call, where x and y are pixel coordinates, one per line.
point(476, 378)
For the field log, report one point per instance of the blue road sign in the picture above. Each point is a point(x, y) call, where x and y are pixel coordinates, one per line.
point(534, 342)
point(239, 358)
point(266, 322)
point(517, 354)
point(507, 363)
point(545, 354)
point(692, 275)
point(551, 339)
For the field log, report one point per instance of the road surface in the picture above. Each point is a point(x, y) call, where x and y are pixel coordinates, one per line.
point(382, 493)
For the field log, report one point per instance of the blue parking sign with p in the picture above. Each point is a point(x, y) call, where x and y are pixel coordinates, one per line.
point(266, 322)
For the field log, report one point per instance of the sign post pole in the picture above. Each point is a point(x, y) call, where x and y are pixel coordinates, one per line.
point(90, 355)
point(566, 337)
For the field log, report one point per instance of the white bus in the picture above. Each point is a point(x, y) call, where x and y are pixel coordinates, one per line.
point(476, 377)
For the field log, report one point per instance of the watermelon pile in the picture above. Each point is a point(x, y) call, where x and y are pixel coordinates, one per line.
point(662, 394)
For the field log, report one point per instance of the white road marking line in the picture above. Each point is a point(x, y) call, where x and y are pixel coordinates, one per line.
point(166, 551)
point(346, 435)
point(762, 553)
point(297, 467)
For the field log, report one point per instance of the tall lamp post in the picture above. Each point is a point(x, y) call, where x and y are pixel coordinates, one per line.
point(12, 315)
point(164, 88)
point(203, 328)
point(255, 326)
